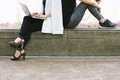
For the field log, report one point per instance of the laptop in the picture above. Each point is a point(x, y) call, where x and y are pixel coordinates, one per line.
point(27, 11)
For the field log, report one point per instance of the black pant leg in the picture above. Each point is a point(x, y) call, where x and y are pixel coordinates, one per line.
point(28, 26)
point(77, 15)
point(68, 7)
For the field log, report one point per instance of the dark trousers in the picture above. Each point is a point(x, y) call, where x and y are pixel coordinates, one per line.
point(68, 7)
point(79, 12)
point(29, 25)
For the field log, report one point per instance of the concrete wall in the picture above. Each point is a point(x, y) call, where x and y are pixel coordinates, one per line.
point(76, 42)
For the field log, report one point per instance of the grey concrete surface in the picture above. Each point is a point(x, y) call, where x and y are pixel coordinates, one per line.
point(60, 68)
point(74, 42)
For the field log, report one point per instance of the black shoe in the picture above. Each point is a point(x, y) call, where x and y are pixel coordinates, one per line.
point(17, 45)
point(14, 58)
point(107, 24)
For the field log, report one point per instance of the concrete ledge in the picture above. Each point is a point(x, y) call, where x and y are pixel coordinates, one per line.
point(75, 42)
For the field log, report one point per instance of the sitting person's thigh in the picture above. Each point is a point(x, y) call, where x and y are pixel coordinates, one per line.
point(67, 9)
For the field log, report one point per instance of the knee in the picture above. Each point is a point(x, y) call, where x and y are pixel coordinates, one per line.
point(89, 2)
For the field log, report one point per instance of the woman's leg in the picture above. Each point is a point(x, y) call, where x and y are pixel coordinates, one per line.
point(94, 11)
point(68, 7)
point(77, 15)
point(30, 25)
point(102, 21)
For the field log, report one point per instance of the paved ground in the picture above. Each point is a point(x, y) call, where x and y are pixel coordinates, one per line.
point(61, 68)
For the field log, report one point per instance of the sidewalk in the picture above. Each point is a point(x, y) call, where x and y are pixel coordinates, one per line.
point(60, 68)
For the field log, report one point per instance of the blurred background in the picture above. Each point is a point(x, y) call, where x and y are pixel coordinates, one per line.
point(11, 13)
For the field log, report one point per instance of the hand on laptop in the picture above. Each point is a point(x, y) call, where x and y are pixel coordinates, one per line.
point(35, 14)
point(41, 16)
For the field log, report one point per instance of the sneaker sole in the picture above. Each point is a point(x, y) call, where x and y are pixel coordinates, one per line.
point(106, 27)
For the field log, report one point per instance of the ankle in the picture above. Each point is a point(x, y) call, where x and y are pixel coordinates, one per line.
point(22, 51)
point(17, 40)
point(102, 20)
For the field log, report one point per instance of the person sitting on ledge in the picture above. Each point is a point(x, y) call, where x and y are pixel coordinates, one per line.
point(94, 8)
point(46, 22)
